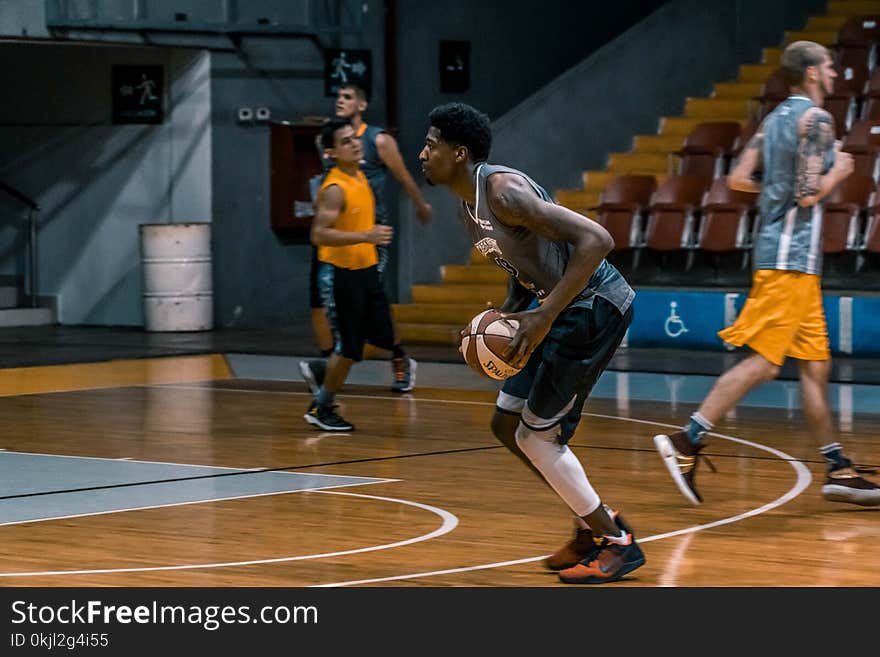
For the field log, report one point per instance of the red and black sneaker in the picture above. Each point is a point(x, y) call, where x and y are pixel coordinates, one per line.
point(613, 558)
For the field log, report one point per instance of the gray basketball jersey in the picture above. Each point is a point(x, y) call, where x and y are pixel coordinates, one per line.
point(537, 262)
point(375, 170)
point(788, 236)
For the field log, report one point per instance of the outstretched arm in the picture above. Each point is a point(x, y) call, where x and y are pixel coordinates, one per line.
point(389, 153)
point(816, 132)
point(515, 203)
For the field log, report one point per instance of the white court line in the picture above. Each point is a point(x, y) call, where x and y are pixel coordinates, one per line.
point(206, 501)
point(176, 463)
point(803, 480)
point(173, 480)
point(449, 523)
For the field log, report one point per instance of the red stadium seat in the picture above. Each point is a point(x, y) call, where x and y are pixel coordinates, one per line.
point(622, 207)
point(708, 149)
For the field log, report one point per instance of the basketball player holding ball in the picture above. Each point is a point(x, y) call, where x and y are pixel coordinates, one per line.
point(562, 345)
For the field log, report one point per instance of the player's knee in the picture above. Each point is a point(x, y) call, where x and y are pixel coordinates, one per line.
point(536, 444)
point(770, 371)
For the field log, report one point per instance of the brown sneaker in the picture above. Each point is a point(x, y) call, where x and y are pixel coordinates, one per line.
point(681, 457)
point(582, 546)
point(571, 553)
point(845, 485)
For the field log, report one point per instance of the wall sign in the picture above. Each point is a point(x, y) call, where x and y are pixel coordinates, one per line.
point(455, 66)
point(137, 94)
point(347, 67)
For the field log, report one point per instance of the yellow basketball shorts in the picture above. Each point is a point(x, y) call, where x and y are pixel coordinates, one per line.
point(782, 317)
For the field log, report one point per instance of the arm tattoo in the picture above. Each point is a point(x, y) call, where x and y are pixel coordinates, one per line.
point(814, 144)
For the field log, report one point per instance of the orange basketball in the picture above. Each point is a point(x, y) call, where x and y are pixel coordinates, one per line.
point(484, 342)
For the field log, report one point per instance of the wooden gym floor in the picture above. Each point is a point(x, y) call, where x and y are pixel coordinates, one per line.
point(175, 472)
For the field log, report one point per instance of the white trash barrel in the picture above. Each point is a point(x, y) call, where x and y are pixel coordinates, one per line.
point(178, 291)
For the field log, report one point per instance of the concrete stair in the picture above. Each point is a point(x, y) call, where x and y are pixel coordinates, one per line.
point(476, 273)
point(849, 8)
point(826, 38)
point(26, 317)
point(578, 200)
point(14, 310)
point(439, 312)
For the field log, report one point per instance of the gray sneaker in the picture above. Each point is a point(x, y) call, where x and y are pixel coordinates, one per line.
point(404, 374)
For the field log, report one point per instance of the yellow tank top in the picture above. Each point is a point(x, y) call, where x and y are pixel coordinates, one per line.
point(358, 215)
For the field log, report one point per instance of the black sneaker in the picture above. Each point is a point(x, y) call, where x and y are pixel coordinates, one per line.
point(313, 372)
point(325, 417)
point(681, 457)
point(609, 562)
point(844, 484)
point(404, 374)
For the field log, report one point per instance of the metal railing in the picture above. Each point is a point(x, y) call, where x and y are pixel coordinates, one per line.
point(33, 210)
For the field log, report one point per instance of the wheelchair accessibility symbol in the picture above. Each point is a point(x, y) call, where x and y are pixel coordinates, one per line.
point(674, 326)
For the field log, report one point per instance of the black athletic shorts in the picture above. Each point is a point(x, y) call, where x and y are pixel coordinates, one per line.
point(314, 290)
point(362, 311)
point(562, 371)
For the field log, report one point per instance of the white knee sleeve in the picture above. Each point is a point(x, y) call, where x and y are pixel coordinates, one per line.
point(560, 468)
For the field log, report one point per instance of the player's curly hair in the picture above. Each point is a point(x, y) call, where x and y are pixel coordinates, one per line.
point(464, 125)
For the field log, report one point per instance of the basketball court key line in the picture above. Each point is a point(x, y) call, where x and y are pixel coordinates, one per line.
point(450, 522)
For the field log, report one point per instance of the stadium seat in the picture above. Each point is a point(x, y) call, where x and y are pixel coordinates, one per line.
point(672, 217)
point(622, 208)
point(726, 222)
point(871, 101)
point(844, 211)
point(861, 31)
point(870, 247)
point(775, 90)
point(863, 141)
point(708, 149)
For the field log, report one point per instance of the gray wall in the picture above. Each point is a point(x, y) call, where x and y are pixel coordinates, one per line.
point(96, 182)
point(23, 18)
point(96, 179)
point(261, 277)
point(595, 108)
